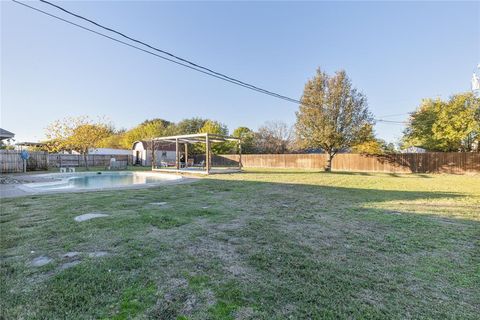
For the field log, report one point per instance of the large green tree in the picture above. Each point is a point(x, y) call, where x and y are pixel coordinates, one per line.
point(190, 126)
point(215, 127)
point(333, 114)
point(147, 130)
point(247, 138)
point(452, 125)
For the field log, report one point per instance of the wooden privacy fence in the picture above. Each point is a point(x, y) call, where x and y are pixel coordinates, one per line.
point(432, 162)
point(11, 161)
point(77, 160)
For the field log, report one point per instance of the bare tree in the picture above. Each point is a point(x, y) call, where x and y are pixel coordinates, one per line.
point(274, 137)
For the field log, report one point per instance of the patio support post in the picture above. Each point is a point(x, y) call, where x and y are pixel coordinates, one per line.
point(239, 154)
point(207, 153)
point(153, 154)
point(177, 152)
point(186, 155)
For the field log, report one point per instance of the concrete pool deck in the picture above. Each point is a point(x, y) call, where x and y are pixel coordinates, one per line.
point(17, 185)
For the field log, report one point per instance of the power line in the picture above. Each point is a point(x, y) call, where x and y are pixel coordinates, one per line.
point(391, 121)
point(182, 62)
point(196, 65)
point(155, 54)
point(396, 115)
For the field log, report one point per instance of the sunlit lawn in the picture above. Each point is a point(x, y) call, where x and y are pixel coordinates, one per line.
point(263, 244)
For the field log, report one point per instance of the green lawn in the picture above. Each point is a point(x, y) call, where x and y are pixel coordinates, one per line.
point(257, 245)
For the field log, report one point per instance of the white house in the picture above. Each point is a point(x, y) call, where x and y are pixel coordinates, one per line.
point(6, 135)
point(142, 153)
point(110, 151)
point(414, 150)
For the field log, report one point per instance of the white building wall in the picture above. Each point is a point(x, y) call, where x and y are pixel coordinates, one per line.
point(109, 151)
point(145, 156)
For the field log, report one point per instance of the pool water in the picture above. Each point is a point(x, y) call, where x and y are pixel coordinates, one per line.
point(103, 180)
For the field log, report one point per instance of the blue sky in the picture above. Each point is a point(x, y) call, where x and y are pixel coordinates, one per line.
point(396, 53)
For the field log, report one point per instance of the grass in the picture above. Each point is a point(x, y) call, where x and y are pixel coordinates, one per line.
point(264, 244)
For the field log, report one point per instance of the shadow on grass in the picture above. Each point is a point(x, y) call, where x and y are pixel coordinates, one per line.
point(358, 194)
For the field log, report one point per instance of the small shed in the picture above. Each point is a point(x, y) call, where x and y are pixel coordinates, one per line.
point(142, 152)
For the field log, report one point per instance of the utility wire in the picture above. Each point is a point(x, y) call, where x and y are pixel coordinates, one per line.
point(183, 62)
point(391, 121)
point(396, 115)
point(152, 53)
point(167, 53)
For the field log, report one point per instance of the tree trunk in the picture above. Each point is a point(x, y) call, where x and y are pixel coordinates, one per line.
point(85, 157)
point(328, 167)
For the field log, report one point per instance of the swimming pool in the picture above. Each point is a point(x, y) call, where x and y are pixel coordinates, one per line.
point(99, 180)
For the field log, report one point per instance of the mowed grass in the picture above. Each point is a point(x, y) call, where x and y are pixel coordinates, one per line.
point(264, 244)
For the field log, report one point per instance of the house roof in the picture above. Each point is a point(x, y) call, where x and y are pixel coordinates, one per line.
point(5, 134)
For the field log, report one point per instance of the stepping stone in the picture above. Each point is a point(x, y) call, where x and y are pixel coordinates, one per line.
point(69, 264)
point(395, 213)
point(88, 216)
point(72, 254)
point(41, 261)
point(97, 254)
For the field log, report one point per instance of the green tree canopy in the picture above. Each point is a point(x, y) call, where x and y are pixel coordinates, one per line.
point(367, 143)
point(332, 114)
point(451, 125)
point(215, 127)
point(247, 138)
point(190, 126)
point(147, 130)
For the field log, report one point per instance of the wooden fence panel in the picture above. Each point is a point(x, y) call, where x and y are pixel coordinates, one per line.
point(94, 160)
point(11, 161)
point(433, 162)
